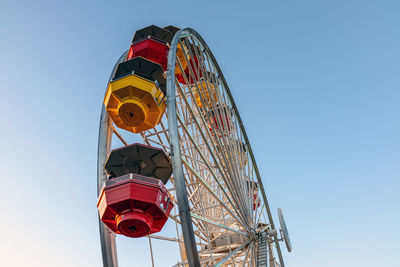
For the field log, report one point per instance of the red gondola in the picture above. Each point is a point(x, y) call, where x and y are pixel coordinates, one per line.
point(150, 49)
point(134, 205)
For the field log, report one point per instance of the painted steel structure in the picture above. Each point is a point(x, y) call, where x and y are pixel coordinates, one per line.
point(222, 222)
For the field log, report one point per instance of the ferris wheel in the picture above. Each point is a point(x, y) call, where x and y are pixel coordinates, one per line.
point(191, 163)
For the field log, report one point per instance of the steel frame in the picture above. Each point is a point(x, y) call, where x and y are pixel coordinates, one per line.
point(212, 174)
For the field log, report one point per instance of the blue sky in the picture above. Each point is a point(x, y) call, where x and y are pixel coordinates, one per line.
point(316, 82)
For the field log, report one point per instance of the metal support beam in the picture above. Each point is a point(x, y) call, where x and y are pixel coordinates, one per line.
point(232, 253)
point(107, 238)
point(180, 187)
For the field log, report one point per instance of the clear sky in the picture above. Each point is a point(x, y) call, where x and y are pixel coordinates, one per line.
point(317, 83)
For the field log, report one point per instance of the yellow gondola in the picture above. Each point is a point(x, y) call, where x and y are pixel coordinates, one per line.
point(180, 54)
point(134, 104)
point(202, 93)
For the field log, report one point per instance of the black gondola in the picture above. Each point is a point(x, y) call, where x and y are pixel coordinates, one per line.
point(139, 159)
point(155, 32)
